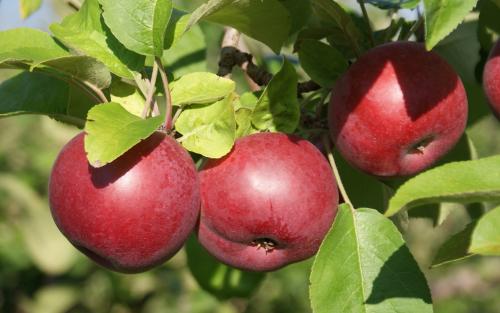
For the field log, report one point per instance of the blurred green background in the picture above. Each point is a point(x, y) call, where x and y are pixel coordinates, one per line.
point(41, 273)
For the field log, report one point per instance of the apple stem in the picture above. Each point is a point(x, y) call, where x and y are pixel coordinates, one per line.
point(168, 97)
point(343, 192)
point(149, 98)
point(367, 20)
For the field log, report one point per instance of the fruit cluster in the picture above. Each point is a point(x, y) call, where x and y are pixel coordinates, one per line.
point(272, 199)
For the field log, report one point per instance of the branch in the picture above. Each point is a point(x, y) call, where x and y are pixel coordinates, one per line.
point(75, 4)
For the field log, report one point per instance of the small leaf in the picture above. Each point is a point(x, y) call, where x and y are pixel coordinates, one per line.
point(486, 236)
point(138, 24)
point(85, 32)
point(278, 108)
point(465, 182)
point(37, 93)
point(208, 129)
point(27, 44)
point(363, 265)
point(394, 4)
point(456, 248)
point(82, 68)
point(28, 7)
point(128, 96)
point(442, 17)
point(243, 112)
point(340, 25)
point(259, 18)
point(198, 88)
point(323, 63)
point(112, 131)
point(218, 279)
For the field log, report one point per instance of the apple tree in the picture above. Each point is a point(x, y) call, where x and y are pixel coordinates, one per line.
point(319, 133)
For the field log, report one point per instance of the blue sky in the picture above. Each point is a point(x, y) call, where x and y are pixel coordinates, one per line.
point(10, 18)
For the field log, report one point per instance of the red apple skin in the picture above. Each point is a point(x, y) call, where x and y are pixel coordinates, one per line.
point(491, 79)
point(270, 186)
point(392, 99)
point(132, 214)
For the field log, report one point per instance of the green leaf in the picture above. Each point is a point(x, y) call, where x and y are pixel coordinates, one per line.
point(299, 11)
point(489, 24)
point(394, 4)
point(340, 25)
point(28, 7)
point(323, 63)
point(278, 108)
point(208, 129)
point(199, 88)
point(83, 68)
point(363, 265)
point(85, 32)
point(243, 112)
point(27, 44)
point(112, 131)
point(128, 96)
point(37, 93)
point(218, 279)
point(187, 54)
point(176, 27)
point(442, 17)
point(253, 18)
point(486, 236)
point(138, 24)
point(456, 248)
point(466, 182)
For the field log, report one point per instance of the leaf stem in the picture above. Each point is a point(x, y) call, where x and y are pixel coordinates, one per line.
point(367, 20)
point(413, 29)
point(343, 192)
point(168, 97)
point(177, 114)
point(152, 86)
point(102, 97)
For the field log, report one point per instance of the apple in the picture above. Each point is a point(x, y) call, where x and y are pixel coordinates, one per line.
point(132, 214)
point(266, 204)
point(397, 110)
point(491, 79)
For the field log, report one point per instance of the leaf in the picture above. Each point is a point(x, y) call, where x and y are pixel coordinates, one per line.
point(278, 108)
point(486, 236)
point(27, 44)
point(128, 97)
point(176, 27)
point(85, 32)
point(465, 182)
point(196, 88)
point(188, 53)
point(208, 129)
point(253, 18)
point(488, 24)
point(112, 131)
point(218, 279)
point(243, 112)
point(83, 68)
point(363, 265)
point(28, 7)
point(442, 17)
point(394, 4)
point(323, 63)
point(138, 24)
point(339, 24)
point(456, 248)
point(37, 93)
point(299, 11)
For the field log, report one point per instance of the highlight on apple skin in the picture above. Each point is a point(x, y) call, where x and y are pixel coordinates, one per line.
point(132, 214)
point(397, 110)
point(268, 203)
point(491, 79)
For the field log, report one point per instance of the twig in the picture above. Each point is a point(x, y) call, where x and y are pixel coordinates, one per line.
point(413, 29)
point(177, 114)
point(168, 98)
point(152, 86)
point(231, 39)
point(75, 4)
point(343, 192)
point(367, 20)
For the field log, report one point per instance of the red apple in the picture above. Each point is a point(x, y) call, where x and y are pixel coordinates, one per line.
point(268, 203)
point(131, 214)
point(491, 79)
point(397, 110)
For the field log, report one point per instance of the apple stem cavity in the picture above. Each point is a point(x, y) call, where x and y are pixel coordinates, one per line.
point(167, 125)
point(419, 147)
point(333, 165)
